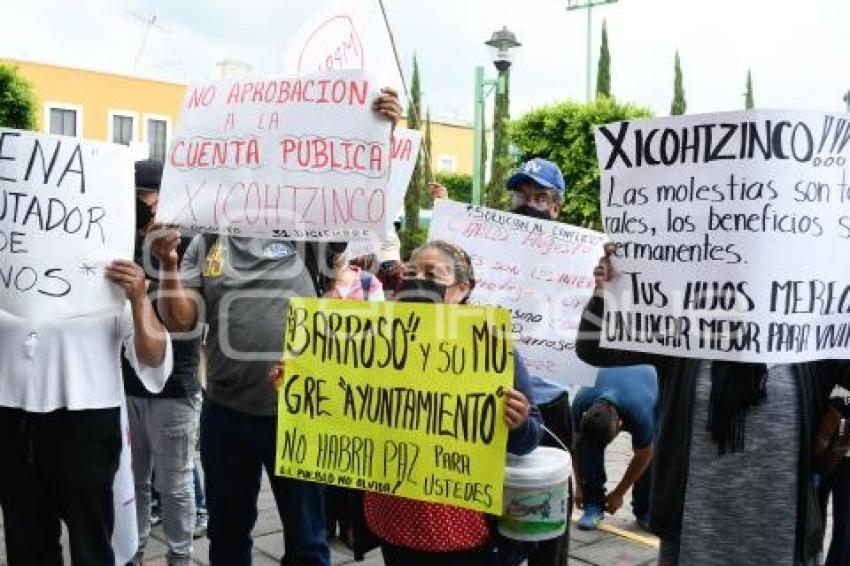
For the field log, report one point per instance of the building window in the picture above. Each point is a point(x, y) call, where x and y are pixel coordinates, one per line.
point(446, 163)
point(122, 129)
point(63, 121)
point(157, 138)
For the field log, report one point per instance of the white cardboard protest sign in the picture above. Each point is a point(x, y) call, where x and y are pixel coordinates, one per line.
point(541, 270)
point(125, 530)
point(732, 233)
point(405, 150)
point(344, 34)
point(67, 209)
point(279, 157)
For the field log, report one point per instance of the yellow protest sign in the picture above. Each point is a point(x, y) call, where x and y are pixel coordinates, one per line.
point(401, 398)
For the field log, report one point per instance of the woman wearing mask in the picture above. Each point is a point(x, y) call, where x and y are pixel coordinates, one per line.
point(733, 464)
point(416, 532)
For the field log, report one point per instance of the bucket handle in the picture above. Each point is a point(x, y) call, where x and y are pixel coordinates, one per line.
point(552, 434)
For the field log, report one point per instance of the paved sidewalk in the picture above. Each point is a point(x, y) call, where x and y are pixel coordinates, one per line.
point(601, 547)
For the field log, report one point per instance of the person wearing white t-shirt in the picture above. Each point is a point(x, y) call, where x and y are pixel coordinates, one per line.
point(60, 434)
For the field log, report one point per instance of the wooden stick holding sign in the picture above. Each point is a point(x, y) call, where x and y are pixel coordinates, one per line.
point(397, 398)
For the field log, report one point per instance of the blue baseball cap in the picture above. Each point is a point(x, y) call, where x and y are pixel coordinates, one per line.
point(540, 171)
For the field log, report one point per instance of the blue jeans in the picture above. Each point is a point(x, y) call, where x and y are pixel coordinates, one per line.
point(592, 466)
point(838, 484)
point(200, 502)
point(235, 447)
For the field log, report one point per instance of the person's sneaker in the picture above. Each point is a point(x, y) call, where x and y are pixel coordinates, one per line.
point(591, 518)
point(200, 525)
point(643, 522)
point(156, 518)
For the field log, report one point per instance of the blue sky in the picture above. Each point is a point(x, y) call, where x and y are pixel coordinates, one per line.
point(798, 51)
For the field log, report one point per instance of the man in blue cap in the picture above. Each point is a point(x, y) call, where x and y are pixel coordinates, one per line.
point(537, 190)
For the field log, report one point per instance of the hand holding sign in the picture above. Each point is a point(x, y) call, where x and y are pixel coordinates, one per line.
point(164, 244)
point(604, 270)
point(516, 409)
point(387, 105)
point(130, 277)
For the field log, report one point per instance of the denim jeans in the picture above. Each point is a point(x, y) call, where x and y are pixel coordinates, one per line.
point(235, 447)
point(197, 485)
point(162, 432)
point(592, 465)
point(838, 484)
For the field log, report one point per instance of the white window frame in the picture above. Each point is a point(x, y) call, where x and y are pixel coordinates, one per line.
point(451, 158)
point(52, 105)
point(134, 116)
point(162, 117)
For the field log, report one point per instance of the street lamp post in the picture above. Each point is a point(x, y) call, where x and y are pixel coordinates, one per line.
point(501, 42)
point(588, 5)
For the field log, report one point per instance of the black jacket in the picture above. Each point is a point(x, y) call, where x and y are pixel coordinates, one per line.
point(677, 386)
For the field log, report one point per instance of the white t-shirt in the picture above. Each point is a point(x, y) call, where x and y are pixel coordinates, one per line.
point(71, 363)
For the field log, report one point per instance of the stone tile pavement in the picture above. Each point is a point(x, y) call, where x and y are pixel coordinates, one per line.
point(606, 547)
point(617, 543)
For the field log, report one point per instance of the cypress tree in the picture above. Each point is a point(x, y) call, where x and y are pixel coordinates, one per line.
point(679, 105)
point(603, 71)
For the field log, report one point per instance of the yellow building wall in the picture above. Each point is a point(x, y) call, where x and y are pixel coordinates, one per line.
point(450, 140)
point(98, 94)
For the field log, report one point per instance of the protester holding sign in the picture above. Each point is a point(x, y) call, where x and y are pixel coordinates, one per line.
point(60, 435)
point(241, 287)
point(537, 191)
point(733, 467)
point(162, 425)
point(416, 532)
point(67, 307)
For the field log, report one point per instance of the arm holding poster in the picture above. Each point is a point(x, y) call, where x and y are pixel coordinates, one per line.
point(523, 417)
point(590, 330)
point(177, 303)
point(388, 106)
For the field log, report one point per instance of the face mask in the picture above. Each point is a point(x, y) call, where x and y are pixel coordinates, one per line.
point(531, 212)
point(144, 214)
point(416, 290)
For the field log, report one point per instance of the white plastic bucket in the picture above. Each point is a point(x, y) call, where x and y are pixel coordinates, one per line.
point(536, 495)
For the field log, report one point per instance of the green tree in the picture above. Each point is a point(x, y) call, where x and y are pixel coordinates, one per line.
point(17, 100)
point(426, 200)
point(749, 101)
point(563, 133)
point(603, 71)
point(500, 161)
point(679, 105)
point(412, 236)
point(459, 185)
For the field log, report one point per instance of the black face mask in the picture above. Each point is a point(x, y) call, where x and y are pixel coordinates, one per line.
point(416, 290)
point(530, 211)
point(144, 214)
